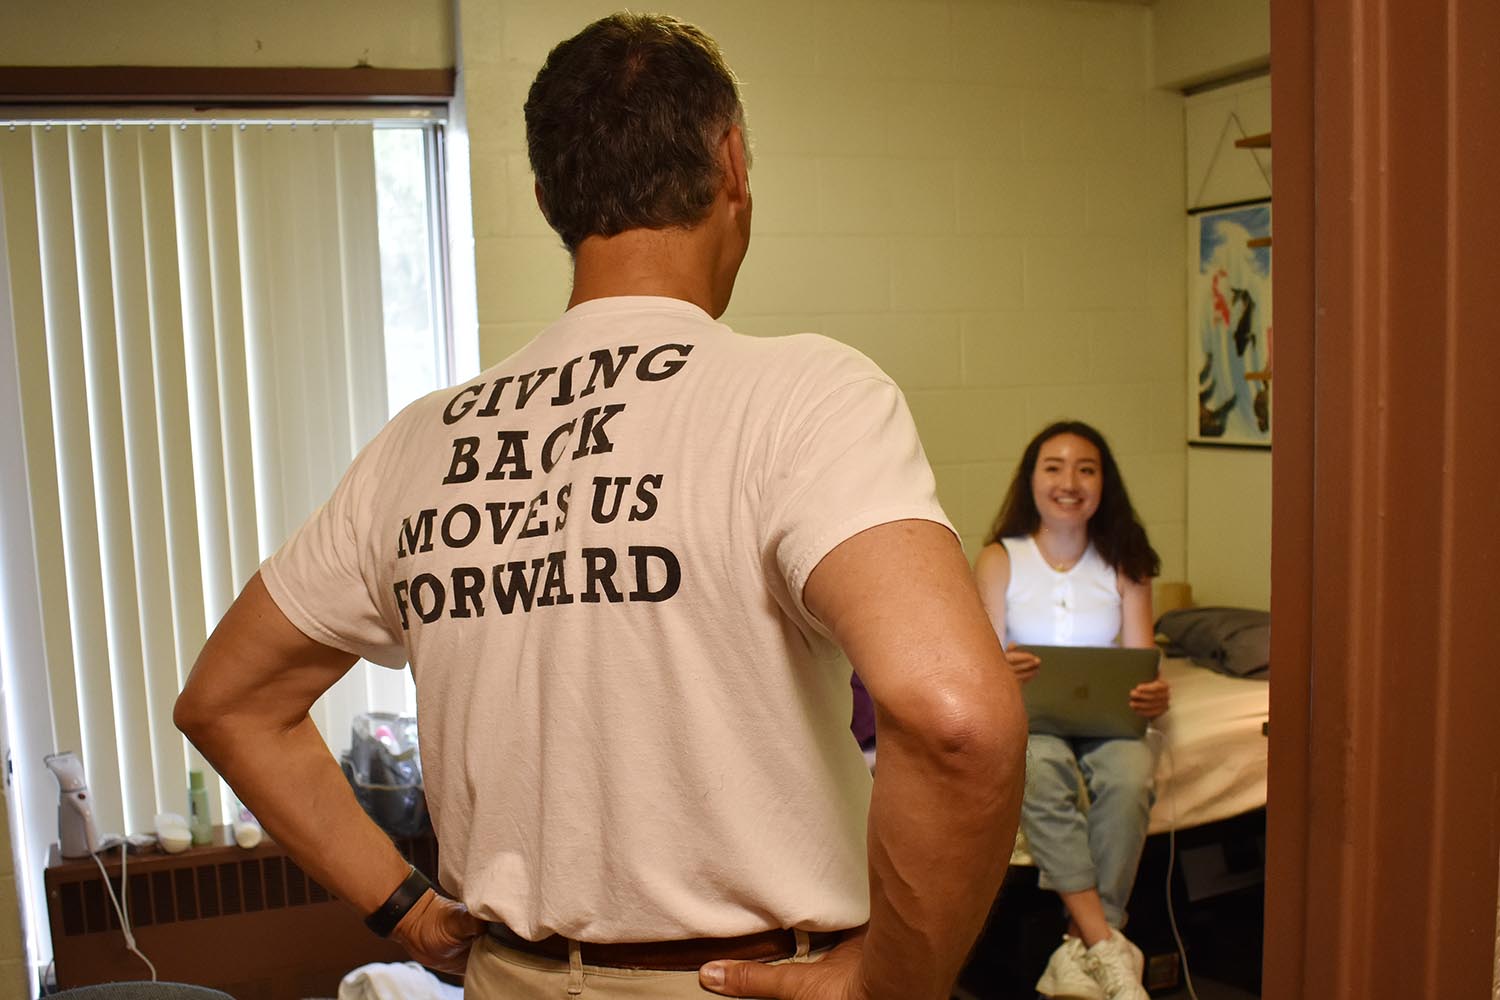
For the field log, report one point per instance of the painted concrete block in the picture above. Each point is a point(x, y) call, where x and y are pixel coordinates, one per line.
point(1114, 43)
point(1025, 347)
point(949, 479)
point(490, 191)
point(961, 273)
point(1016, 44)
point(11, 945)
point(1009, 198)
point(814, 275)
point(1064, 125)
point(1129, 346)
point(754, 37)
point(878, 39)
point(498, 341)
point(1085, 273)
point(495, 99)
point(521, 278)
point(818, 115)
point(1169, 539)
point(531, 28)
point(1120, 413)
point(918, 350)
point(882, 195)
point(985, 484)
point(785, 192)
point(1156, 481)
point(954, 119)
point(525, 217)
point(961, 425)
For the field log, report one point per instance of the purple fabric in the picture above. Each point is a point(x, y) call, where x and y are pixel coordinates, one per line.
point(863, 724)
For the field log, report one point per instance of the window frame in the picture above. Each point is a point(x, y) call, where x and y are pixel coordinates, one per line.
point(435, 120)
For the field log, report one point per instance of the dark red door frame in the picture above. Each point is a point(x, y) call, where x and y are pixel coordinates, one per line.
point(1384, 813)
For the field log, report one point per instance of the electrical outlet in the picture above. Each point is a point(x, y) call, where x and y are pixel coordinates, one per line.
point(1163, 972)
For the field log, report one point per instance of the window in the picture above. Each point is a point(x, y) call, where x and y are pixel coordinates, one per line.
point(202, 320)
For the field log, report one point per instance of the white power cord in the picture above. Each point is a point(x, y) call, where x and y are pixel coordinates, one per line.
point(1187, 976)
point(125, 895)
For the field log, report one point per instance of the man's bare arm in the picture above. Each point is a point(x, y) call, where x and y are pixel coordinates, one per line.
point(245, 707)
point(901, 601)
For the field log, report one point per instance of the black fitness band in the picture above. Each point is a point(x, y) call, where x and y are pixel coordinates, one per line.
point(411, 889)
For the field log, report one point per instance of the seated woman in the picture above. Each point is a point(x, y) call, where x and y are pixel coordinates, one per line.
point(1068, 564)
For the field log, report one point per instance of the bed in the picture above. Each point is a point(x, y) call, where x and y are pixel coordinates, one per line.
point(1212, 763)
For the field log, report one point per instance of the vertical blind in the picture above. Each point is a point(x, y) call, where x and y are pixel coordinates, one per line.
point(197, 353)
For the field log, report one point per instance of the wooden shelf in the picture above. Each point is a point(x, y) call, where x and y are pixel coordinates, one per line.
point(1262, 141)
point(1257, 242)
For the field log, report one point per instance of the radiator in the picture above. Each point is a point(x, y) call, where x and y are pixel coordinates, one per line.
point(248, 922)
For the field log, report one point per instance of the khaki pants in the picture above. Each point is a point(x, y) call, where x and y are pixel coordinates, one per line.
point(496, 972)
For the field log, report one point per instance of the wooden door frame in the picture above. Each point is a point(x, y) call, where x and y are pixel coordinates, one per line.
point(1384, 799)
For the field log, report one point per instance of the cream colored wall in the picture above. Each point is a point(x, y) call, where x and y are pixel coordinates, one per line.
point(983, 196)
point(389, 34)
point(1229, 526)
point(15, 978)
point(1217, 172)
point(1195, 41)
point(1228, 490)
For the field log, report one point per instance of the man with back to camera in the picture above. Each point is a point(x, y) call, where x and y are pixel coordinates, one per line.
point(618, 563)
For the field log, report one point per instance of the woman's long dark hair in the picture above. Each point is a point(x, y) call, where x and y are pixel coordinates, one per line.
point(1114, 529)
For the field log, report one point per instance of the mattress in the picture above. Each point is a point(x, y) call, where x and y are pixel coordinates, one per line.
point(1211, 758)
point(1211, 750)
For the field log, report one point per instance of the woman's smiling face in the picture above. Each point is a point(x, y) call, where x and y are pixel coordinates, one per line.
point(1067, 482)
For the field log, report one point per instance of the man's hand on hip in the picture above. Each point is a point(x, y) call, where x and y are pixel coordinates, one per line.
point(439, 932)
point(835, 976)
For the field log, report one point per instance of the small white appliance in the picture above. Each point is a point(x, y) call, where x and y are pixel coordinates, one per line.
point(76, 832)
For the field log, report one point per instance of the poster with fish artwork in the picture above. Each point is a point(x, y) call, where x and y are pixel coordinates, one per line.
point(1229, 326)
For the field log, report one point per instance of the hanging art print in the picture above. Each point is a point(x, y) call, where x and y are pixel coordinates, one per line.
point(1229, 326)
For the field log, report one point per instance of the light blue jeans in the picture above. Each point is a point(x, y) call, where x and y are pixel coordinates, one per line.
point(1099, 848)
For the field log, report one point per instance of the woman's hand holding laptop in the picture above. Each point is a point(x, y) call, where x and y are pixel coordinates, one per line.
point(1151, 699)
point(1023, 662)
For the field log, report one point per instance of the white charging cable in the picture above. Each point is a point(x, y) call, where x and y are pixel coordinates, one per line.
point(119, 909)
point(1165, 745)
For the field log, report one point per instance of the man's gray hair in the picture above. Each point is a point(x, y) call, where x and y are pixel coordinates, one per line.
point(623, 125)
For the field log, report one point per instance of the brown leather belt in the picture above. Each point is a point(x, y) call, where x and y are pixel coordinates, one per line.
point(670, 956)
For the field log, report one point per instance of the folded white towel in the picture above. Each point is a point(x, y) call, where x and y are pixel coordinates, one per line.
point(396, 981)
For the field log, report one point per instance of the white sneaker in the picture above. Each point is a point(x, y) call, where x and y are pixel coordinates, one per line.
point(1067, 976)
point(1116, 965)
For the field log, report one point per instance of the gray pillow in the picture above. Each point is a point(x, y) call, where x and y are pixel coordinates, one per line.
point(1234, 641)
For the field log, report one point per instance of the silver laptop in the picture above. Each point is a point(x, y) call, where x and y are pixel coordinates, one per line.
point(1084, 691)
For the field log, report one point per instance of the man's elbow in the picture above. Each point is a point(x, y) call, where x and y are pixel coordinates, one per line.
point(195, 716)
point(979, 731)
point(988, 741)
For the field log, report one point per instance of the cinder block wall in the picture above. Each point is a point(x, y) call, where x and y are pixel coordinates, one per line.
point(15, 978)
point(982, 195)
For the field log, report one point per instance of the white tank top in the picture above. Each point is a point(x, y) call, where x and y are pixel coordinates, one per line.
point(1077, 607)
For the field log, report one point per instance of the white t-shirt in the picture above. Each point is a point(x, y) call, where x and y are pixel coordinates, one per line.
point(1079, 606)
point(593, 555)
